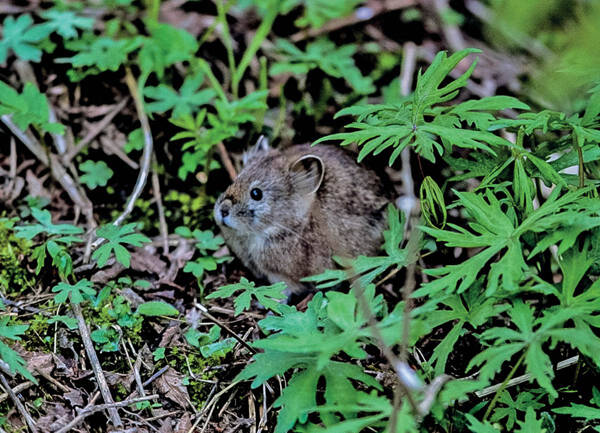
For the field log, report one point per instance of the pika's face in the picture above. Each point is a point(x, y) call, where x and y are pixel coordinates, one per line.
point(271, 194)
point(253, 202)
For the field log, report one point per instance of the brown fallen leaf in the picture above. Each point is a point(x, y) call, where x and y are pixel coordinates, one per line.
point(166, 425)
point(38, 361)
point(184, 424)
point(35, 186)
point(170, 384)
point(147, 260)
point(74, 397)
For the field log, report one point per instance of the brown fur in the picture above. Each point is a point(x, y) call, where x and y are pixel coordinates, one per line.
point(292, 232)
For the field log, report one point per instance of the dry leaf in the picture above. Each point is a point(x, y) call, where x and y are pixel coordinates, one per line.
point(170, 385)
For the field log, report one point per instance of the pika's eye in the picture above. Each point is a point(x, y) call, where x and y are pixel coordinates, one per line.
point(256, 194)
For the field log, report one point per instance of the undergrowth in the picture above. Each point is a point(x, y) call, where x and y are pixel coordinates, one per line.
point(498, 279)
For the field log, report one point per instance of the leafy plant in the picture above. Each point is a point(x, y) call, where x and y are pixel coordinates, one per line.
point(206, 130)
point(306, 342)
point(379, 127)
point(96, 173)
point(20, 35)
point(59, 238)
point(28, 108)
point(325, 55)
point(66, 23)
point(183, 102)
point(115, 237)
point(13, 360)
point(206, 242)
point(209, 343)
point(73, 292)
point(267, 296)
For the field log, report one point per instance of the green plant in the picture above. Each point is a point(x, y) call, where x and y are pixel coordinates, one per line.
point(206, 241)
point(325, 55)
point(20, 35)
point(209, 343)
point(13, 360)
point(96, 173)
point(59, 237)
point(115, 237)
point(28, 108)
point(267, 296)
point(73, 292)
point(421, 120)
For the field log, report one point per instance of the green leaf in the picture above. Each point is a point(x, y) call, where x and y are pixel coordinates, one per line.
point(15, 362)
point(325, 55)
point(267, 296)
point(20, 35)
point(184, 102)
point(69, 322)
point(66, 23)
point(73, 291)
point(96, 173)
point(157, 52)
point(46, 226)
point(28, 108)
point(476, 426)
point(99, 54)
point(115, 237)
point(156, 308)
point(531, 423)
point(579, 411)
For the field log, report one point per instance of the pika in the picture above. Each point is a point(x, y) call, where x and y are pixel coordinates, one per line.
point(289, 211)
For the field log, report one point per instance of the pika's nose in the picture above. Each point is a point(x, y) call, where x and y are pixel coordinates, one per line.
point(224, 211)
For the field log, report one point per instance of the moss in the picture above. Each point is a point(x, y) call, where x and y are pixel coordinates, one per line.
point(39, 335)
point(197, 364)
point(188, 210)
point(14, 277)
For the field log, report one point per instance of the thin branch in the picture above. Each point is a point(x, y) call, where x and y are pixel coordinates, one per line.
point(110, 406)
point(226, 160)
point(93, 357)
point(363, 14)
point(58, 171)
point(147, 152)
point(216, 321)
point(162, 221)
point(20, 407)
point(20, 387)
point(96, 129)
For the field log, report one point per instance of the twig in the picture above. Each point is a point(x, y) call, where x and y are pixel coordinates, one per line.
point(147, 152)
point(93, 357)
point(213, 319)
point(162, 221)
point(226, 160)
point(145, 162)
point(20, 387)
point(110, 406)
point(363, 14)
point(452, 33)
point(521, 379)
point(58, 171)
point(408, 202)
point(96, 129)
point(20, 407)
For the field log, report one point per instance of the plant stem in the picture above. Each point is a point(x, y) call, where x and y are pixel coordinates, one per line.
point(503, 386)
point(263, 30)
point(222, 14)
point(581, 169)
point(153, 10)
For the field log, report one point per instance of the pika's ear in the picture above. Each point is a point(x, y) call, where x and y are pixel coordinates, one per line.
point(307, 174)
point(261, 146)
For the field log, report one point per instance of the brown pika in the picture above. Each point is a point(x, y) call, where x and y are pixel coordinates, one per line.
point(288, 212)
